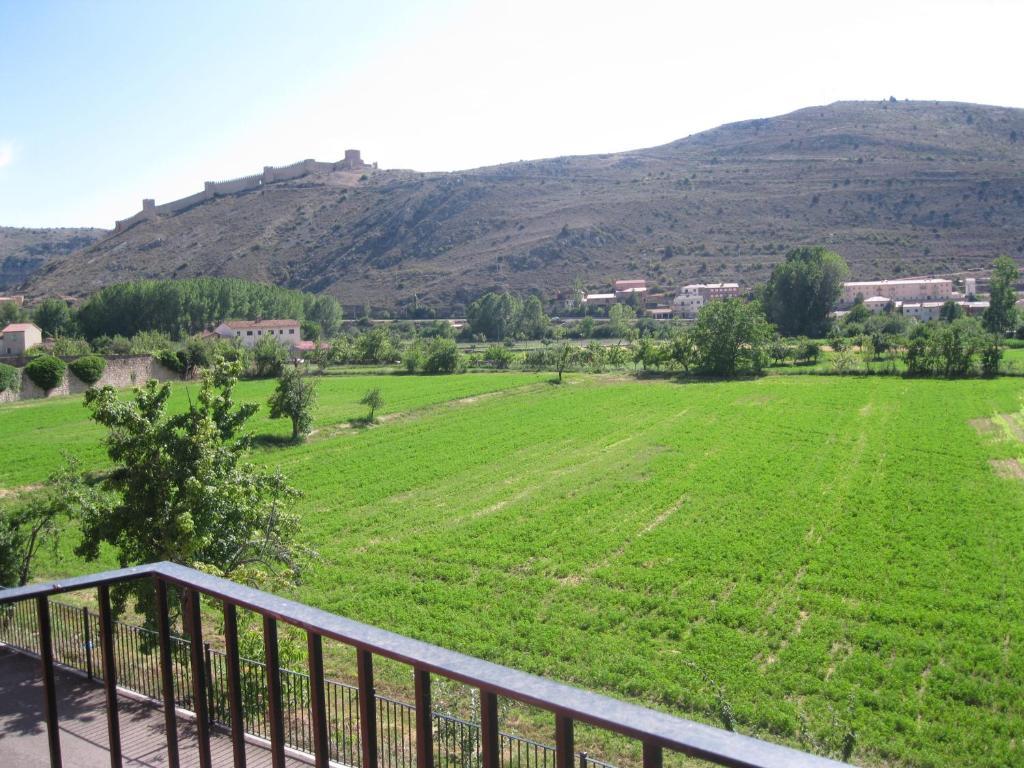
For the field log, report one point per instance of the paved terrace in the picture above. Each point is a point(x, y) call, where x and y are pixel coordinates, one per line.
point(83, 725)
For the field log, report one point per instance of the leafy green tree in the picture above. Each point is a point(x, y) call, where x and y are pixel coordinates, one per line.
point(859, 312)
point(1001, 315)
point(181, 490)
point(533, 322)
point(731, 337)
point(375, 346)
point(620, 320)
point(39, 522)
point(950, 311)
point(564, 355)
point(88, 369)
point(324, 311)
point(373, 400)
point(46, 371)
point(294, 398)
point(499, 356)
point(10, 313)
point(269, 356)
point(682, 350)
point(495, 315)
point(53, 316)
point(802, 290)
point(443, 356)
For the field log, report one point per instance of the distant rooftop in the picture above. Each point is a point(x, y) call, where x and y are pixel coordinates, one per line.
point(22, 327)
point(243, 325)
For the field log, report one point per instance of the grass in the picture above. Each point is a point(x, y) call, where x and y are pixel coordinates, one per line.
point(817, 555)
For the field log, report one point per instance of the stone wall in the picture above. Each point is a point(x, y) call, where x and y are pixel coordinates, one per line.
point(121, 371)
point(352, 161)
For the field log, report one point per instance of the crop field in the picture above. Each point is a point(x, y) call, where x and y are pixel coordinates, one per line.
point(808, 557)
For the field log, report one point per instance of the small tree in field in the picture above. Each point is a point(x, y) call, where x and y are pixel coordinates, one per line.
point(294, 399)
point(373, 400)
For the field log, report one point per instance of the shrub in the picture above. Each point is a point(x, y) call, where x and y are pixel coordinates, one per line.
point(169, 359)
point(89, 369)
point(46, 371)
point(442, 357)
point(498, 356)
point(10, 378)
point(270, 357)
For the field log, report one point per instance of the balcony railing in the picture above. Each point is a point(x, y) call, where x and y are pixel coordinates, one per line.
point(333, 721)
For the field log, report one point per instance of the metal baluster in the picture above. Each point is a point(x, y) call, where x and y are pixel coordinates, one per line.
point(163, 624)
point(193, 610)
point(367, 709)
point(563, 742)
point(489, 729)
point(652, 755)
point(234, 684)
point(275, 714)
point(109, 676)
point(49, 681)
point(317, 704)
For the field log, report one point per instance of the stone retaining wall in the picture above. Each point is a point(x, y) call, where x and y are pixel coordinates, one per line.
point(121, 371)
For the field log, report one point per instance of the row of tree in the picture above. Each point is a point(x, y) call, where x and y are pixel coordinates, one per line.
point(179, 308)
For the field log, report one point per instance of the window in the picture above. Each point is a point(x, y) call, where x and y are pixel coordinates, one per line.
point(238, 333)
point(248, 333)
point(291, 331)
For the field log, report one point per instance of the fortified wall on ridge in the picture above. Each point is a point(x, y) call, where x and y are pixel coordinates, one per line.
point(150, 210)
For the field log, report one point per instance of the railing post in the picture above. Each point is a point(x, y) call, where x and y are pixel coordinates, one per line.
point(163, 627)
point(367, 709)
point(317, 699)
point(109, 676)
point(193, 611)
point(424, 720)
point(234, 684)
point(652, 755)
point(275, 714)
point(564, 751)
point(87, 640)
point(207, 657)
point(583, 760)
point(489, 729)
point(49, 681)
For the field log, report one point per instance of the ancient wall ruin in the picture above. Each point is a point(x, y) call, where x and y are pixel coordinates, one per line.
point(352, 161)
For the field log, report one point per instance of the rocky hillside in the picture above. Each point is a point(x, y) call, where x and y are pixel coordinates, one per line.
point(896, 187)
point(26, 251)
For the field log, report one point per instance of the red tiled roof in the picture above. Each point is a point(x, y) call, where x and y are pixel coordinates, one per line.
point(15, 327)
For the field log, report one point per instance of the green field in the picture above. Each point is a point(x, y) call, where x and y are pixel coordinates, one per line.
point(818, 553)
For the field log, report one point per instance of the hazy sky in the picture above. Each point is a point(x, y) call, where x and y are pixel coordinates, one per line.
point(104, 103)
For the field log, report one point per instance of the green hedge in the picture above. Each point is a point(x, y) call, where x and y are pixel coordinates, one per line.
point(46, 371)
point(10, 378)
point(89, 369)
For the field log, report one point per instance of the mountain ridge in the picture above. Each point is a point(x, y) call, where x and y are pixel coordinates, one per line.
point(896, 187)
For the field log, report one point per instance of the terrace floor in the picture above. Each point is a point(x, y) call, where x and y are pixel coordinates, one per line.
point(83, 725)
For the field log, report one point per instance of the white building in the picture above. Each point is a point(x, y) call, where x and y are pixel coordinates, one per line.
point(694, 296)
point(17, 338)
point(914, 290)
point(923, 310)
point(250, 332)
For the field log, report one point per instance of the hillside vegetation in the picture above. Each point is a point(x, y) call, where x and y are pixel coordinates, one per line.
point(26, 251)
point(895, 187)
point(811, 559)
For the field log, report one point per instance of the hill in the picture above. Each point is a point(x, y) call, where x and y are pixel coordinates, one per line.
point(25, 251)
point(896, 187)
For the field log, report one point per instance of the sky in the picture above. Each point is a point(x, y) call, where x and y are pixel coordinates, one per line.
point(104, 103)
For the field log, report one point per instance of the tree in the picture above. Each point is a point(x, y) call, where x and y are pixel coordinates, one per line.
point(495, 315)
point(562, 356)
point(294, 399)
point(533, 323)
point(682, 350)
point(10, 378)
point(620, 320)
point(950, 311)
point(180, 489)
point(442, 356)
point(270, 357)
point(53, 316)
point(1001, 315)
point(731, 337)
point(802, 290)
point(46, 371)
point(37, 522)
point(373, 400)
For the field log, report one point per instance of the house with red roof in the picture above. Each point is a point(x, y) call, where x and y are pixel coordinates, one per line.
point(17, 338)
